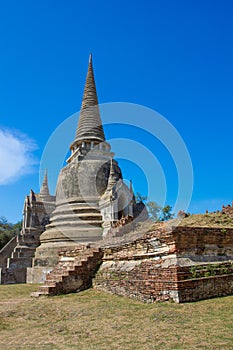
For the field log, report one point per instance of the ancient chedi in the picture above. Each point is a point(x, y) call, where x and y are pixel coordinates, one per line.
point(18, 253)
point(37, 209)
point(91, 195)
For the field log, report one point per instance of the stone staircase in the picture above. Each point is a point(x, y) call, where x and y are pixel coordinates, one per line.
point(73, 273)
point(16, 257)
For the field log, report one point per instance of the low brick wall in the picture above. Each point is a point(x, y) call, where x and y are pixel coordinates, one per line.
point(150, 268)
point(205, 288)
point(203, 241)
point(138, 279)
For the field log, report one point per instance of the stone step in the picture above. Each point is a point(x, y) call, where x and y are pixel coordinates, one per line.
point(47, 289)
point(55, 278)
point(66, 276)
point(64, 266)
point(61, 271)
point(67, 258)
point(23, 253)
point(48, 284)
point(73, 269)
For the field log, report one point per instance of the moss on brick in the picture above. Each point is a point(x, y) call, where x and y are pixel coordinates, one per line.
point(209, 270)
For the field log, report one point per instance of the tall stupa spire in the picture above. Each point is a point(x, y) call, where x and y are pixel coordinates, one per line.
point(90, 125)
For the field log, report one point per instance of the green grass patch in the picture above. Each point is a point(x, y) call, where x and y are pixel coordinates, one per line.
point(93, 320)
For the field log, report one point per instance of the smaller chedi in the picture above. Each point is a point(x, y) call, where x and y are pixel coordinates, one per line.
point(17, 255)
point(37, 210)
point(91, 196)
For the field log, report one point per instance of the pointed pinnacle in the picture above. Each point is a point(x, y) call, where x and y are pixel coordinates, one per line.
point(44, 191)
point(90, 95)
point(45, 176)
point(90, 125)
point(112, 177)
point(90, 58)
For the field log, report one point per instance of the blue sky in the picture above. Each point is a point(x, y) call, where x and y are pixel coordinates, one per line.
point(175, 57)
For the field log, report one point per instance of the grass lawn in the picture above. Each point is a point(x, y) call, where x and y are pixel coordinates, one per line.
point(94, 320)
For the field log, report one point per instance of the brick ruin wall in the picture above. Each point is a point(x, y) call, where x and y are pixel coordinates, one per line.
point(182, 264)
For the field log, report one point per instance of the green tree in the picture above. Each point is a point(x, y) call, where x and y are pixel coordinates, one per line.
point(167, 213)
point(154, 210)
point(3, 220)
point(5, 237)
point(8, 230)
point(17, 227)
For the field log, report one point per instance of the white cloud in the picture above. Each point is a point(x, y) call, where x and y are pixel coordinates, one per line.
point(16, 155)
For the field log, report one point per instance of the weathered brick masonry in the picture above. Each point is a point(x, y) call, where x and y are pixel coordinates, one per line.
point(160, 266)
point(182, 264)
point(74, 272)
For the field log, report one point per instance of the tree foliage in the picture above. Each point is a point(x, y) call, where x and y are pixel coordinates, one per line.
point(8, 230)
point(155, 211)
point(167, 213)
